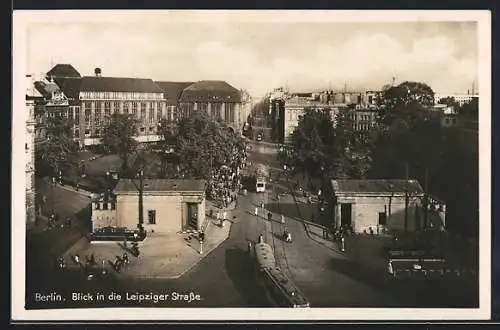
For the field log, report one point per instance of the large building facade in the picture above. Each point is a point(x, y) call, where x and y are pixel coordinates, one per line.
point(216, 98)
point(91, 100)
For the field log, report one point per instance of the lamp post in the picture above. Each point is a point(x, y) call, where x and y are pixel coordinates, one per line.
point(140, 175)
point(107, 187)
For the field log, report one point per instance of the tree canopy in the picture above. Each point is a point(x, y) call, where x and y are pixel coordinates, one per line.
point(323, 147)
point(204, 145)
point(118, 136)
point(58, 151)
point(402, 105)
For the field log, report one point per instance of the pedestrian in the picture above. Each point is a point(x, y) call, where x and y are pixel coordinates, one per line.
point(136, 236)
point(261, 239)
point(77, 259)
point(269, 216)
point(342, 243)
point(282, 219)
point(262, 204)
point(256, 211)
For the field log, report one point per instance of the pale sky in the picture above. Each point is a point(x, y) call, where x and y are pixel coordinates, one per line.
point(260, 55)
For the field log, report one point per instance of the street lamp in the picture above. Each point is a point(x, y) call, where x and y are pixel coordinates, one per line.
point(140, 175)
point(107, 186)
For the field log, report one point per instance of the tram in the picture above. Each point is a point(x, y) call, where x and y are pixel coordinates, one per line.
point(278, 287)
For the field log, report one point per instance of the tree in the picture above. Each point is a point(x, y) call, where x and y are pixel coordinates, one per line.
point(354, 147)
point(400, 106)
point(203, 145)
point(313, 142)
point(166, 146)
point(470, 109)
point(118, 136)
point(58, 152)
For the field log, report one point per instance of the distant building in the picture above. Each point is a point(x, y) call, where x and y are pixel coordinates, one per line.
point(286, 108)
point(378, 204)
point(169, 206)
point(461, 99)
point(216, 98)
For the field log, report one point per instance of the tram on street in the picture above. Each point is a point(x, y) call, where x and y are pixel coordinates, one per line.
point(278, 287)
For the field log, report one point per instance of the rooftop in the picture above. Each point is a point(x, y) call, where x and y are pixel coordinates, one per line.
point(382, 186)
point(63, 70)
point(211, 91)
point(173, 89)
point(160, 185)
point(118, 84)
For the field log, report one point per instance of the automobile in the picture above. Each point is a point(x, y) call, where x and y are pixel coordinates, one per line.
point(259, 137)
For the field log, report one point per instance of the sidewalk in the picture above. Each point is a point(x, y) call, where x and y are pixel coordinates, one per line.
point(165, 256)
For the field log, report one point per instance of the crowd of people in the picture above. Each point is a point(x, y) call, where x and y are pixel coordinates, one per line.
point(223, 186)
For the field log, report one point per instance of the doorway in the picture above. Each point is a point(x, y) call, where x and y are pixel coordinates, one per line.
point(346, 215)
point(192, 215)
point(382, 218)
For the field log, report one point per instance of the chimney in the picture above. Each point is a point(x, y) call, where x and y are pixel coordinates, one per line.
point(97, 72)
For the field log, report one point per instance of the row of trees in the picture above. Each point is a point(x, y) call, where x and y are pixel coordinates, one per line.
point(192, 149)
point(404, 137)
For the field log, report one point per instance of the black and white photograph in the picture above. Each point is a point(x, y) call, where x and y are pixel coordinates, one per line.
point(267, 165)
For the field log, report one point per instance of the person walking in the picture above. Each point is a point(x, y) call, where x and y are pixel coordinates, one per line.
point(256, 212)
point(342, 242)
point(224, 218)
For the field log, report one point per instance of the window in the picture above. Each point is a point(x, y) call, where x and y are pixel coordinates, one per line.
point(151, 115)
point(152, 217)
point(97, 116)
point(87, 115)
point(87, 132)
point(142, 129)
point(169, 113)
point(158, 114)
point(143, 114)
point(134, 109)
point(143, 106)
point(107, 109)
point(116, 107)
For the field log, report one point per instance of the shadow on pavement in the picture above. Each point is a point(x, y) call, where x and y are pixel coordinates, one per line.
point(240, 271)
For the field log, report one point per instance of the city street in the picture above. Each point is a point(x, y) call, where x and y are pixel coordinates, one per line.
point(224, 277)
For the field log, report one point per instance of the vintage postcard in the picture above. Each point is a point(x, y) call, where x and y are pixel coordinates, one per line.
point(251, 165)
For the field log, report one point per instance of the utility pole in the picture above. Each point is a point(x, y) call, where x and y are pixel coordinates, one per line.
point(407, 174)
point(426, 197)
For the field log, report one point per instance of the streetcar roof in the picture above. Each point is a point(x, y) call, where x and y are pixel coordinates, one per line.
point(265, 256)
point(289, 288)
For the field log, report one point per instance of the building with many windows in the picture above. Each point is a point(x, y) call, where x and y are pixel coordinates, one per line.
point(90, 100)
point(286, 108)
point(216, 98)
